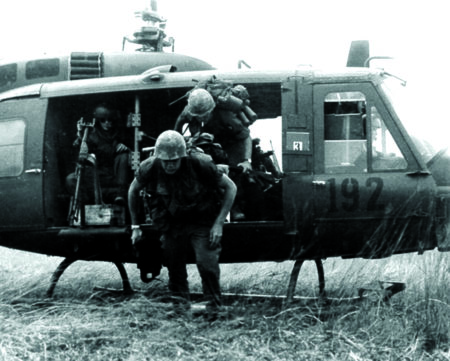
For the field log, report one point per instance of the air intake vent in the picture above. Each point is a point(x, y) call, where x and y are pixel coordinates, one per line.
point(85, 66)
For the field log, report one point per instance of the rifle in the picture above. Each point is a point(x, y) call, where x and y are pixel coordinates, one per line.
point(74, 210)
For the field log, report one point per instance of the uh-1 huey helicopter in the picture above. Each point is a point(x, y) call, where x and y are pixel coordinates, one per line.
point(354, 183)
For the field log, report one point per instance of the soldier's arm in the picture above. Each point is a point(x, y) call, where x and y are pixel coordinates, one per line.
point(181, 120)
point(227, 202)
point(245, 164)
point(133, 205)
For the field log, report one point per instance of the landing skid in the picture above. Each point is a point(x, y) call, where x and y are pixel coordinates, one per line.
point(68, 261)
point(384, 289)
point(380, 289)
point(294, 277)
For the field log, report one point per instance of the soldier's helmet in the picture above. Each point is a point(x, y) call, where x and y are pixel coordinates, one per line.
point(170, 145)
point(103, 111)
point(200, 103)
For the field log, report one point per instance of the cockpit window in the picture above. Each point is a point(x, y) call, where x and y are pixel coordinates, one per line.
point(344, 128)
point(385, 153)
point(356, 138)
point(12, 135)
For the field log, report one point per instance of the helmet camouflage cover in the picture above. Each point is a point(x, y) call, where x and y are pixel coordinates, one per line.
point(170, 145)
point(200, 103)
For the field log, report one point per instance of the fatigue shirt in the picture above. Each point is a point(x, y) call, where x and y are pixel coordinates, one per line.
point(191, 195)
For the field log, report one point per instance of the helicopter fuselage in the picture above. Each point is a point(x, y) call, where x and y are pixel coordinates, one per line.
point(347, 189)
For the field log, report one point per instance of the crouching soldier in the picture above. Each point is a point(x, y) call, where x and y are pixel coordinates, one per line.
point(190, 200)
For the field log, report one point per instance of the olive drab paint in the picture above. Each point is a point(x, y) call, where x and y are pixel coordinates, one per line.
point(346, 190)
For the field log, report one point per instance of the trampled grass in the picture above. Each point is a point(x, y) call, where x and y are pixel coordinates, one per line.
point(81, 323)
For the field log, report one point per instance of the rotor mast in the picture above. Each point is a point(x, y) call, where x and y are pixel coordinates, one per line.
point(151, 34)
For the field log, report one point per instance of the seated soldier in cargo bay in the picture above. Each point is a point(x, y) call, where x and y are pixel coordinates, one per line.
point(106, 171)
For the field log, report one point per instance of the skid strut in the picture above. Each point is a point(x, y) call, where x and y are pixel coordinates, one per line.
point(294, 277)
point(68, 261)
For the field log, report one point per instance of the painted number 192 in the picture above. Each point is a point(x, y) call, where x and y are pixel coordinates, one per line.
point(350, 191)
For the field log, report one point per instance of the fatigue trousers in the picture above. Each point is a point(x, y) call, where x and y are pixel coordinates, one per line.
point(114, 180)
point(176, 246)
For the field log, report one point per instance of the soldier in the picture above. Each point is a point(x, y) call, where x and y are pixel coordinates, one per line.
point(203, 116)
point(190, 200)
point(111, 156)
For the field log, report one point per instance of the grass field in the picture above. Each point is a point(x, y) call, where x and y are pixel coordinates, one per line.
point(80, 323)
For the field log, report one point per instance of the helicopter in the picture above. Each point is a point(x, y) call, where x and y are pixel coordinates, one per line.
point(353, 183)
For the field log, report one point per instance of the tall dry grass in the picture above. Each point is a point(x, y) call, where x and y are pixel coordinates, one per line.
point(80, 323)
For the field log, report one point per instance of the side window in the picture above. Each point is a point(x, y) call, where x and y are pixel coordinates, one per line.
point(42, 68)
point(345, 132)
point(8, 74)
point(385, 153)
point(12, 136)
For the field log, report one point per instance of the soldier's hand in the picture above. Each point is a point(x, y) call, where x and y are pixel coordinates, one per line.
point(246, 166)
point(121, 148)
point(80, 125)
point(136, 236)
point(223, 168)
point(80, 128)
point(215, 235)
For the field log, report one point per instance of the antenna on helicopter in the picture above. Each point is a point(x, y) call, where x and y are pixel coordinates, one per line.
point(151, 35)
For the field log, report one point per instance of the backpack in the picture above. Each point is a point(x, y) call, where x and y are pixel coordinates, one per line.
point(228, 96)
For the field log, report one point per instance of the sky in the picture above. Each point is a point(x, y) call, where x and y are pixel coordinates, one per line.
point(266, 34)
